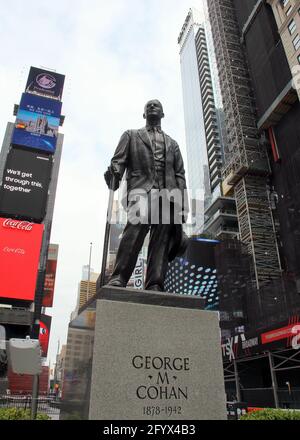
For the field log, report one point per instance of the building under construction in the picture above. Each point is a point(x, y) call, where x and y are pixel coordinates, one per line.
point(255, 43)
point(247, 170)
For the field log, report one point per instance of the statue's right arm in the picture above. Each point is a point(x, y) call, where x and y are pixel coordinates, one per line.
point(120, 158)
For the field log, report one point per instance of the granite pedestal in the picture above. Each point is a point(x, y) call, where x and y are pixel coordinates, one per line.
point(156, 356)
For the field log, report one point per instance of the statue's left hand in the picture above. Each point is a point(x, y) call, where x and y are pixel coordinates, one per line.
point(112, 179)
point(108, 176)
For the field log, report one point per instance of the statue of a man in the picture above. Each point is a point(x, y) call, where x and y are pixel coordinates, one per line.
point(153, 162)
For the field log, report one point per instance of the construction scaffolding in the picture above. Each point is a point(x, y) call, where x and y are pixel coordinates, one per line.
point(246, 170)
point(238, 371)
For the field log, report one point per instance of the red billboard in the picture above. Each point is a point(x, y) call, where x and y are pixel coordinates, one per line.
point(22, 383)
point(50, 275)
point(20, 245)
point(287, 332)
point(45, 327)
point(282, 335)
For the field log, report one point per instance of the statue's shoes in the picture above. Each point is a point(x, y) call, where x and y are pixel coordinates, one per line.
point(116, 283)
point(155, 288)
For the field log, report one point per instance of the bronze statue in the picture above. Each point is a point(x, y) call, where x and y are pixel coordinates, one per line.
point(153, 162)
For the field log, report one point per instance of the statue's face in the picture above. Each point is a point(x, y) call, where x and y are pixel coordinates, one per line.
point(153, 109)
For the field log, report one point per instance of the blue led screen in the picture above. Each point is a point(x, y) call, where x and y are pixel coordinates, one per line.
point(195, 273)
point(37, 123)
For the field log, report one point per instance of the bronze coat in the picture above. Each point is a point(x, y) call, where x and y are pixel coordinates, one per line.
point(134, 153)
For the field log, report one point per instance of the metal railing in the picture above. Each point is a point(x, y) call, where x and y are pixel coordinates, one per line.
point(46, 405)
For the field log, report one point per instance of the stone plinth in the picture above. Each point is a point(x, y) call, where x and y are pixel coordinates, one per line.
point(156, 356)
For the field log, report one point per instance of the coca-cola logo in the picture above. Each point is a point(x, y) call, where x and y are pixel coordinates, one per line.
point(14, 250)
point(17, 224)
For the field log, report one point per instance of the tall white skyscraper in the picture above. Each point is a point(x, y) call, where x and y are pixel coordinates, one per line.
point(203, 112)
point(197, 160)
point(192, 102)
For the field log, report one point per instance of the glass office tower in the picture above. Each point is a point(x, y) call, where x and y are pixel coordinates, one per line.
point(193, 112)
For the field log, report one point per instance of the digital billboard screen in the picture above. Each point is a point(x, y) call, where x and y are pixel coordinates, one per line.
point(282, 335)
point(50, 275)
point(20, 245)
point(45, 83)
point(45, 326)
point(195, 272)
point(37, 123)
point(25, 185)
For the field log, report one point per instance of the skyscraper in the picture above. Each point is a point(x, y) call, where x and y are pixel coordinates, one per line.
point(204, 121)
point(212, 132)
point(287, 17)
point(246, 171)
point(193, 109)
point(32, 149)
point(86, 289)
point(257, 45)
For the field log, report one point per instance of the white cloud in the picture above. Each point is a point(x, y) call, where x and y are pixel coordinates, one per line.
point(116, 55)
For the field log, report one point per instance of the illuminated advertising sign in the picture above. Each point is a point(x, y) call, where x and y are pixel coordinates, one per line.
point(278, 336)
point(37, 123)
point(45, 83)
point(20, 245)
point(50, 275)
point(45, 326)
point(195, 273)
point(25, 184)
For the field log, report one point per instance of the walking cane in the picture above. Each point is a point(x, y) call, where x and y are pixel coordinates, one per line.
point(107, 230)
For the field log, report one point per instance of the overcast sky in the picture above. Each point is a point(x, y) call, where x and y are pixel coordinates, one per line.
point(116, 55)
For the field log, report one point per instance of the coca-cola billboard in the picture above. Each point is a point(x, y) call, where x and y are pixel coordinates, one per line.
point(20, 245)
point(17, 224)
point(25, 185)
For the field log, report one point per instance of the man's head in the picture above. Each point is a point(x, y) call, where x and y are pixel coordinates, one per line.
point(153, 111)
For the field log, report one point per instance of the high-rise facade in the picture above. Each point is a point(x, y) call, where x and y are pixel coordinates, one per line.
point(29, 167)
point(287, 16)
point(281, 119)
point(257, 54)
point(193, 111)
point(211, 124)
point(204, 121)
point(246, 171)
point(86, 289)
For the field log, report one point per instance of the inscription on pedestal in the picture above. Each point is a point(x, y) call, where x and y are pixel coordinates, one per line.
point(164, 384)
point(156, 362)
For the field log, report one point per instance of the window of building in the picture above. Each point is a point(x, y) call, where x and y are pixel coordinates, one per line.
point(284, 2)
point(296, 42)
point(299, 59)
point(292, 26)
point(289, 10)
